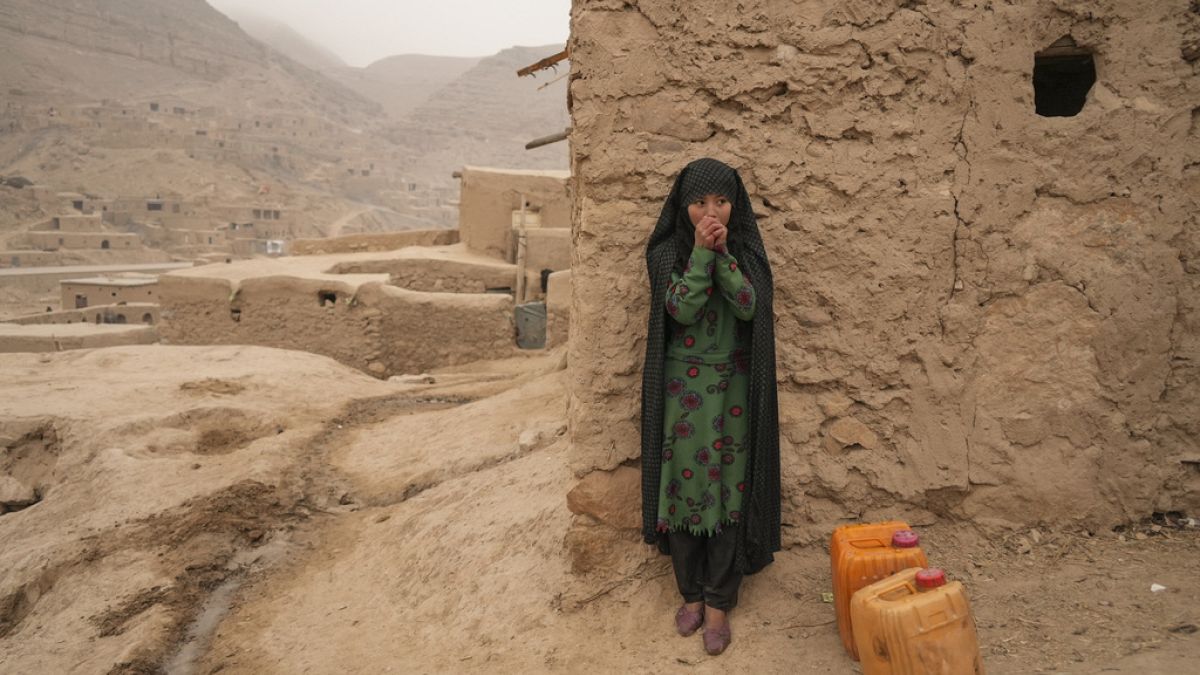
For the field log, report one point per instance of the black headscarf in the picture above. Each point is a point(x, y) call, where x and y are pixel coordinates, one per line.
point(669, 248)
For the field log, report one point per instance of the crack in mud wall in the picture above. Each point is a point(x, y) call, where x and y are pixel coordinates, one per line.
point(980, 312)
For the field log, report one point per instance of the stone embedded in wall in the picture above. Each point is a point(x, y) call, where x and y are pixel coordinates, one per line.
point(611, 497)
point(848, 432)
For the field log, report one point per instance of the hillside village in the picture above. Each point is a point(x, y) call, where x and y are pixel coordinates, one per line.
point(317, 368)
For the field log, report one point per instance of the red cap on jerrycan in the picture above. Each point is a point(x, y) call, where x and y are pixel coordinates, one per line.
point(905, 539)
point(930, 578)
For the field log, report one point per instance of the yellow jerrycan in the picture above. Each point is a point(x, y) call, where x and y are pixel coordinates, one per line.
point(914, 623)
point(863, 554)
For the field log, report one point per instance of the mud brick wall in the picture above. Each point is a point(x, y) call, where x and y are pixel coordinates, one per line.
point(981, 313)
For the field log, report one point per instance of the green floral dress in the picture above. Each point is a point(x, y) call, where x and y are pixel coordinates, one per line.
point(705, 422)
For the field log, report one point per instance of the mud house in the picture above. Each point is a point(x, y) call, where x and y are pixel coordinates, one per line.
point(387, 303)
point(982, 311)
point(78, 232)
point(90, 291)
point(490, 206)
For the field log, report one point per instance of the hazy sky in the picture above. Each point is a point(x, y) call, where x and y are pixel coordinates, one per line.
point(362, 31)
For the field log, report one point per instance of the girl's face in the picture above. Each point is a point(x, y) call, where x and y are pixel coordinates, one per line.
point(713, 205)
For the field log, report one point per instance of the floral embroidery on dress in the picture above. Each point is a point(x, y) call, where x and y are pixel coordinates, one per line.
point(675, 386)
point(704, 425)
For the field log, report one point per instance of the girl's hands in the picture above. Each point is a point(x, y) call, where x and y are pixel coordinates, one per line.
point(711, 233)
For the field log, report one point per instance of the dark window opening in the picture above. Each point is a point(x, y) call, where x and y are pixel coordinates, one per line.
point(147, 318)
point(235, 313)
point(154, 206)
point(154, 107)
point(1063, 73)
point(120, 318)
point(327, 298)
point(78, 204)
point(546, 279)
point(80, 301)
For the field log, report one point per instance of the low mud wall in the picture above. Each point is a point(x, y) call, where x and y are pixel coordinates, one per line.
point(375, 327)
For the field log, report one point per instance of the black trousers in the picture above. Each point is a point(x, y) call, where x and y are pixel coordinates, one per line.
point(705, 569)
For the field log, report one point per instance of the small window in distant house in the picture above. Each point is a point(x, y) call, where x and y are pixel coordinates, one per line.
point(276, 215)
point(153, 107)
point(78, 204)
point(154, 206)
point(147, 318)
point(258, 213)
point(80, 301)
point(104, 243)
point(327, 298)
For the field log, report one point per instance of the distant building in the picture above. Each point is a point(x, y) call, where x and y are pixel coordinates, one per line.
point(91, 291)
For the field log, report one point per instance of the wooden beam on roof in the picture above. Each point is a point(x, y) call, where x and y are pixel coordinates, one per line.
point(548, 62)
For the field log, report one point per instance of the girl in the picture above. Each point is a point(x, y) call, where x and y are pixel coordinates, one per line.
point(710, 434)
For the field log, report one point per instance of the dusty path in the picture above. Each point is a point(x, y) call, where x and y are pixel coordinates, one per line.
point(335, 229)
point(420, 528)
point(456, 564)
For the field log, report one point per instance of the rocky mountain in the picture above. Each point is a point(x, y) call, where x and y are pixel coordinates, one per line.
point(285, 40)
point(134, 98)
point(59, 51)
point(488, 114)
point(403, 82)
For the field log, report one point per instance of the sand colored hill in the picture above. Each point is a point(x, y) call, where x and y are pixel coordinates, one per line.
point(401, 83)
point(486, 116)
point(285, 40)
point(126, 49)
point(253, 510)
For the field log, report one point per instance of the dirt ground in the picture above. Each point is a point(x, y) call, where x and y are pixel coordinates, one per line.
point(247, 510)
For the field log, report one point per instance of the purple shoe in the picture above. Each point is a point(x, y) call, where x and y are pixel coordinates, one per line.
point(717, 639)
point(688, 620)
